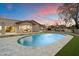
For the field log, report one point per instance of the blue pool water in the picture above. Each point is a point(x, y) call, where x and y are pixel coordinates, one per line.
point(40, 39)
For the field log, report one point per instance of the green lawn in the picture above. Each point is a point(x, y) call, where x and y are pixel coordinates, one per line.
point(71, 49)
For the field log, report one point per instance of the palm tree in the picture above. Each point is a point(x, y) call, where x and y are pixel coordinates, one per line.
point(68, 11)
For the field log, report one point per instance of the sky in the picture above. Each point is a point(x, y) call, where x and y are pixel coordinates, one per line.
point(44, 13)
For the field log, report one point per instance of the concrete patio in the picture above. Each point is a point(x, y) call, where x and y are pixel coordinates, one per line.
point(10, 47)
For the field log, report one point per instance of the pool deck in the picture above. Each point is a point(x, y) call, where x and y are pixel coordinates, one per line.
point(10, 47)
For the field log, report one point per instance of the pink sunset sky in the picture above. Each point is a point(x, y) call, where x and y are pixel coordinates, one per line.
point(45, 13)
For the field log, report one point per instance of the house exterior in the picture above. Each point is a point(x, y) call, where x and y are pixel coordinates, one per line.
point(29, 26)
point(7, 25)
point(15, 26)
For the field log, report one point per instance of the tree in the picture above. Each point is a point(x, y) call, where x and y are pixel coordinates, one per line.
point(68, 11)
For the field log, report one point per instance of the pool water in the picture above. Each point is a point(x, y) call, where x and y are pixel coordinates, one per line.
point(40, 39)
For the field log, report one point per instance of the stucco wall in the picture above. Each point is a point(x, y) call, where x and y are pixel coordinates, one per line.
point(76, 31)
point(36, 28)
point(6, 22)
point(22, 24)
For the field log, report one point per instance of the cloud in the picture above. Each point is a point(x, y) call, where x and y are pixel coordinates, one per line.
point(46, 14)
point(45, 11)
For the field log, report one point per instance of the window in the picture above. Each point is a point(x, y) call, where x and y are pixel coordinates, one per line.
point(0, 28)
point(25, 28)
point(9, 28)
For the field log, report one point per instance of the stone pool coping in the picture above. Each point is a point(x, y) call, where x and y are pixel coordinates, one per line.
point(61, 43)
point(10, 47)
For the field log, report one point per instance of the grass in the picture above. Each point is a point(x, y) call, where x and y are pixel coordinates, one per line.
point(71, 49)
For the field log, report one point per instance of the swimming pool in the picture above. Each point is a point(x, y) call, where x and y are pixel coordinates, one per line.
point(40, 39)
